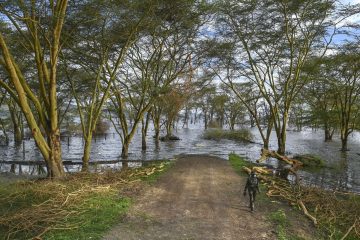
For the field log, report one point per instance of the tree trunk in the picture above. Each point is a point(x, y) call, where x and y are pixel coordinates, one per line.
point(157, 129)
point(282, 136)
point(221, 120)
point(3, 128)
point(86, 154)
point(16, 125)
point(328, 134)
point(186, 118)
point(144, 129)
point(125, 153)
point(205, 120)
point(17, 135)
point(344, 143)
point(232, 122)
point(143, 137)
point(157, 134)
point(266, 144)
point(252, 121)
point(169, 128)
point(156, 116)
point(211, 115)
point(55, 164)
point(282, 142)
point(268, 133)
point(125, 148)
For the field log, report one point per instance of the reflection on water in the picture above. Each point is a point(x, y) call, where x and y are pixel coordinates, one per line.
point(340, 175)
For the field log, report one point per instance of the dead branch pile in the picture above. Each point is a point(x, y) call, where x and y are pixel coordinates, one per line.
point(332, 211)
point(61, 199)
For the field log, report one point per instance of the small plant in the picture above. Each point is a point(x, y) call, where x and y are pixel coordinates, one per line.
point(280, 220)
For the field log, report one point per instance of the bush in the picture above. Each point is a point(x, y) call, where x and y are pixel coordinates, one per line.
point(310, 160)
point(242, 135)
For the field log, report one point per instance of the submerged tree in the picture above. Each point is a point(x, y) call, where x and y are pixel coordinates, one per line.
point(319, 96)
point(346, 84)
point(39, 26)
point(96, 55)
point(274, 39)
point(160, 57)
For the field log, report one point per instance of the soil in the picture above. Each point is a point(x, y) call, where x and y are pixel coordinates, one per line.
point(200, 197)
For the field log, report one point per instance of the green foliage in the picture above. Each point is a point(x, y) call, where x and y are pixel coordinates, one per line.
point(310, 160)
point(278, 217)
point(280, 220)
point(242, 135)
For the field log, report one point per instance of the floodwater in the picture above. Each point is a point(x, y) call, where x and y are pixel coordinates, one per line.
point(342, 173)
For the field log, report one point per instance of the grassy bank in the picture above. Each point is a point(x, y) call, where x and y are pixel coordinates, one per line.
point(287, 222)
point(81, 206)
point(242, 135)
point(337, 214)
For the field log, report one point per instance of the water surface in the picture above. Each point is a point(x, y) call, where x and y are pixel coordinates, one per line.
point(341, 173)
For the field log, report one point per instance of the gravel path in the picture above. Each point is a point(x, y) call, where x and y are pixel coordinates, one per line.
point(200, 197)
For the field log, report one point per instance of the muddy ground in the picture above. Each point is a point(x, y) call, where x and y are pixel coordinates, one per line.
point(200, 197)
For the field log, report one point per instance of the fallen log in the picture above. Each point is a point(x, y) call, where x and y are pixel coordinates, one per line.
point(295, 164)
point(265, 153)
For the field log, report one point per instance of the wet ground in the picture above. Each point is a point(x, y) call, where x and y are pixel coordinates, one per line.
point(341, 173)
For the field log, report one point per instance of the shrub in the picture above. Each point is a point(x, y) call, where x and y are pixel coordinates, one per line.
point(242, 135)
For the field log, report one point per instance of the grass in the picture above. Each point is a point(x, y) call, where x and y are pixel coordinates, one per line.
point(280, 221)
point(154, 177)
point(81, 206)
point(238, 162)
point(282, 225)
point(242, 135)
point(103, 212)
point(335, 212)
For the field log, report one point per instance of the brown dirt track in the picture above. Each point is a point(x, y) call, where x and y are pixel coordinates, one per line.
point(200, 197)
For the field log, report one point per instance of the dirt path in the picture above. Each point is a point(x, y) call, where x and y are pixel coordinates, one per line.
point(200, 197)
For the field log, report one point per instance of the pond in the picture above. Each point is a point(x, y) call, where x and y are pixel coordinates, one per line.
point(341, 173)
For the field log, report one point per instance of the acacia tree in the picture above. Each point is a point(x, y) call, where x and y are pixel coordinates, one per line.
point(172, 103)
point(152, 65)
point(234, 108)
point(345, 75)
point(159, 58)
point(40, 26)
point(227, 71)
point(319, 95)
point(274, 39)
point(95, 57)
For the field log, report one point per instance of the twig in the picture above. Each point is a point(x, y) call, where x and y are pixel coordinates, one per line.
point(349, 230)
point(301, 204)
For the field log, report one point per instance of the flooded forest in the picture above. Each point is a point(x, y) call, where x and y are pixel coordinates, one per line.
point(135, 84)
point(97, 86)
